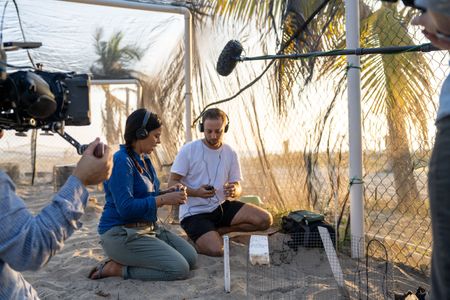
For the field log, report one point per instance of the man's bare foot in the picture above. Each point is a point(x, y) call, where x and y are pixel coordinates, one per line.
point(108, 268)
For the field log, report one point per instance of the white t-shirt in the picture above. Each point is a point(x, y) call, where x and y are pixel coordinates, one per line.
point(200, 165)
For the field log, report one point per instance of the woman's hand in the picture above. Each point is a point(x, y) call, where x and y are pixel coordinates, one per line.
point(172, 198)
point(174, 188)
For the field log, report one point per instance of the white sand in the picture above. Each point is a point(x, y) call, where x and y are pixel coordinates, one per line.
point(65, 276)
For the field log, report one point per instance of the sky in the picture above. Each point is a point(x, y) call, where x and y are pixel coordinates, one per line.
point(66, 31)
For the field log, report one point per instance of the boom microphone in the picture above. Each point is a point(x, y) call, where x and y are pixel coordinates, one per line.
point(231, 54)
point(229, 57)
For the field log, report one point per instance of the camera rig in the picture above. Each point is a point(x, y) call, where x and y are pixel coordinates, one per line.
point(36, 99)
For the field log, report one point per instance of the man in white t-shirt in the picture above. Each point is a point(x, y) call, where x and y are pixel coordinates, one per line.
point(211, 172)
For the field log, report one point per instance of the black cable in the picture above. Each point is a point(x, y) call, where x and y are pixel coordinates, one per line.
point(294, 36)
point(33, 154)
point(3, 19)
point(386, 265)
point(23, 33)
point(235, 95)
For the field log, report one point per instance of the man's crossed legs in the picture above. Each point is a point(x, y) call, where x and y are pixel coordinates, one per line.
point(206, 229)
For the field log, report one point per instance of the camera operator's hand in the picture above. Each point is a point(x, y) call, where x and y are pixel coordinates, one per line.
point(172, 198)
point(92, 170)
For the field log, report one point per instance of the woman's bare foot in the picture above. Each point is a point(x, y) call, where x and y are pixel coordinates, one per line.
point(108, 268)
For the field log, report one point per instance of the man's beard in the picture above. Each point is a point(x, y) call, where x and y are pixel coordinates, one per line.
point(217, 142)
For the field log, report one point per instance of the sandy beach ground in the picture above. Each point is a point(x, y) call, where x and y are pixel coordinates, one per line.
point(305, 274)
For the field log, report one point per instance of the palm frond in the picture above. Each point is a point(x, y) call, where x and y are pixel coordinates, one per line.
point(114, 59)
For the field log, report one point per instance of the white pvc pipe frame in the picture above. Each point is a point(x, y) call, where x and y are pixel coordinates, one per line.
point(187, 43)
point(354, 99)
point(121, 81)
point(354, 123)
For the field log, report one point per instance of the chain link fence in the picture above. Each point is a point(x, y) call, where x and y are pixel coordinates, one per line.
point(399, 99)
point(299, 159)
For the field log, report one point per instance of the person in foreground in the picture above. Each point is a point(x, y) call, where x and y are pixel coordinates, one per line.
point(136, 246)
point(436, 27)
point(210, 170)
point(28, 242)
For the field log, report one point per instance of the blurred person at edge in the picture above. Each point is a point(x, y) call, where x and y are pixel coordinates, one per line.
point(435, 21)
point(28, 242)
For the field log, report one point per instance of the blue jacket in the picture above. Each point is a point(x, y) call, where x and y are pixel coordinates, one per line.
point(129, 195)
point(27, 241)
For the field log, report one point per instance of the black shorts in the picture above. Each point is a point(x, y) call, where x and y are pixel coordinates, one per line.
point(197, 225)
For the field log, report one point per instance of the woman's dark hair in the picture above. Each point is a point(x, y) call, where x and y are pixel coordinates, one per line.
point(133, 124)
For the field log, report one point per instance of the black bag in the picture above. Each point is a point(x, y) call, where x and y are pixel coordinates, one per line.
point(302, 225)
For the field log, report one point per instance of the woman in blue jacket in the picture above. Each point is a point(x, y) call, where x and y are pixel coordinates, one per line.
point(136, 246)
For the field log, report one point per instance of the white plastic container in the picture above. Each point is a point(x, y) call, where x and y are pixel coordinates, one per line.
point(259, 250)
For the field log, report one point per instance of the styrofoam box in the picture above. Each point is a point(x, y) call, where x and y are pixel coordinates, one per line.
point(259, 250)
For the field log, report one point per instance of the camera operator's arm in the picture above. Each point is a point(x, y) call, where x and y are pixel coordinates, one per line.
point(27, 242)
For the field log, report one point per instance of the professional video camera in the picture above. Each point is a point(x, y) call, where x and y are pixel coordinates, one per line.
point(36, 99)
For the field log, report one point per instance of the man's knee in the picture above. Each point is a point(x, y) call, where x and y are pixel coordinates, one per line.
point(210, 244)
point(210, 250)
point(265, 221)
point(218, 252)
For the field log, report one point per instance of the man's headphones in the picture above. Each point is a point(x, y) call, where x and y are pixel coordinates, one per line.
point(201, 127)
point(142, 132)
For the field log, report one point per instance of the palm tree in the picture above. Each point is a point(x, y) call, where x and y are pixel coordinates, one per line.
point(269, 16)
point(113, 62)
point(407, 89)
point(397, 85)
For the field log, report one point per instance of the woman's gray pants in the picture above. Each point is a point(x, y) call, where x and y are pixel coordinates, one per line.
point(149, 254)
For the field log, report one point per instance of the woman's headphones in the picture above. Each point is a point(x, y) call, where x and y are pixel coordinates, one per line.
point(142, 132)
point(201, 127)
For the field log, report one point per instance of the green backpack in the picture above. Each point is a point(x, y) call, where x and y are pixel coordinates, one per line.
point(304, 216)
point(302, 226)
